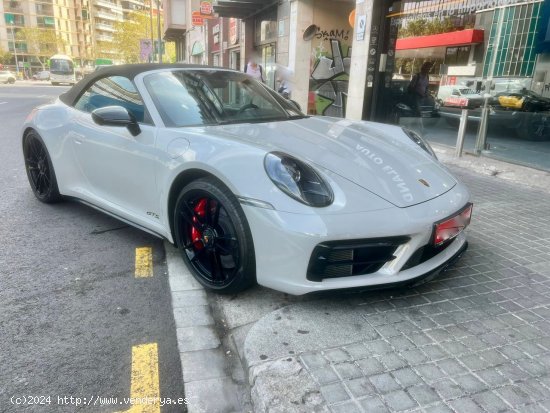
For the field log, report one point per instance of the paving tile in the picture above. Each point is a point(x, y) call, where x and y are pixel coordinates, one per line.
point(423, 394)
point(360, 387)
point(347, 370)
point(334, 393)
point(325, 375)
point(313, 360)
point(373, 404)
point(346, 407)
point(399, 401)
point(384, 383)
point(371, 366)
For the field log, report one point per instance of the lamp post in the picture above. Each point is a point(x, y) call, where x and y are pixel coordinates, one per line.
point(14, 49)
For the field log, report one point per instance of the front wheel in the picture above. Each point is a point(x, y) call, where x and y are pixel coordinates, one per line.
point(40, 169)
point(214, 238)
point(12, 81)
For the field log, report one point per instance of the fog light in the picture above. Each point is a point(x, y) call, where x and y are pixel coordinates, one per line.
point(449, 228)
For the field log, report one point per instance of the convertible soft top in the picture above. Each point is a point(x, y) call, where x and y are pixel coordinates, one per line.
point(130, 71)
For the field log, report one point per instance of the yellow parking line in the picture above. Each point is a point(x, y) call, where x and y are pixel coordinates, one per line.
point(144, 388)
point(144, 262)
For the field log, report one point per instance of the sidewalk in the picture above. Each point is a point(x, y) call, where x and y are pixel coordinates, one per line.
point(476, 339)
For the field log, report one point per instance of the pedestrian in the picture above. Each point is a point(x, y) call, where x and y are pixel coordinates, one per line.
point(418, 87)
point(254, 69)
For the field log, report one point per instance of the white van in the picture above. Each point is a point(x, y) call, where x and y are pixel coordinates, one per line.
point(457, 95)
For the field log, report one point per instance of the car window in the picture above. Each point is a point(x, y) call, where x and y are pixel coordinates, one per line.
point(192, 98)
point(113, 91)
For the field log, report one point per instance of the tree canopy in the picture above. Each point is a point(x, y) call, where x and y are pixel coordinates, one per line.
point(5, 57)
point(128, 34)
point(41, 43)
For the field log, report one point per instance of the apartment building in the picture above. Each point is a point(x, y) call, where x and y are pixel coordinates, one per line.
point(87, 27)
point(69, 18)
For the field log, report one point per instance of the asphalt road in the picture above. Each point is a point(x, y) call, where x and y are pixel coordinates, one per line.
point(71, 309)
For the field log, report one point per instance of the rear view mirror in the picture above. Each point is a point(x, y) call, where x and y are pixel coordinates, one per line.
point(116, 116)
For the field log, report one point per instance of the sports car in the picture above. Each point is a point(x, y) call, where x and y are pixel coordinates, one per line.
point(249, 188)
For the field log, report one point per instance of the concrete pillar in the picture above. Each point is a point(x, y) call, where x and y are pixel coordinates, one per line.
point(299, 50)
point(359, 62)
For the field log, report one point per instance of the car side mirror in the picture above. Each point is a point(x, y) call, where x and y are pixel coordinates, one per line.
point(116, 116)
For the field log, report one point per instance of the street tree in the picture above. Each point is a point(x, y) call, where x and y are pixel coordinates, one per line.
point(127, 37)
point(5, 57)
point(41, 43)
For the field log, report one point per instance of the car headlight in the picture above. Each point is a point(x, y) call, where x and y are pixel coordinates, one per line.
point(420, 141)
point(298, 180)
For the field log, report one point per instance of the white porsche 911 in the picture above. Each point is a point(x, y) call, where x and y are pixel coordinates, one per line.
point(245, 185)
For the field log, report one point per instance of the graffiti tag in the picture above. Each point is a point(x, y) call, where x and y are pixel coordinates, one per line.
point(332, 34)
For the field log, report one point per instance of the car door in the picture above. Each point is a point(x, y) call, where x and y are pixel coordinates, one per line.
point(119, 169)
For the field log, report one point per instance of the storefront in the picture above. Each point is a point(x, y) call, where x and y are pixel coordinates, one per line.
point(477, 50)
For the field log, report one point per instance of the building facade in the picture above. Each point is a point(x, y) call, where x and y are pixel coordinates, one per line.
point(352, 59)
point(85, 27)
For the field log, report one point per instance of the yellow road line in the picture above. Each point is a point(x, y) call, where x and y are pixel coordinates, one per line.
point(145, 387)
point(144, 262)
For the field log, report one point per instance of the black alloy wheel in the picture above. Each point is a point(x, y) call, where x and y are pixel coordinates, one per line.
point(40, 169)
point(213, 236)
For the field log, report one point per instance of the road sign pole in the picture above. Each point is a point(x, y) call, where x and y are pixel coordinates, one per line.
point(461, 133)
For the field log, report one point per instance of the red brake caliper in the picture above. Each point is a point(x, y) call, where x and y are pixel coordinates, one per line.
point(196, 235)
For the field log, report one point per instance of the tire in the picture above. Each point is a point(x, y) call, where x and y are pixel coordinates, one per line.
point(55, 84)
point(11, 81)
point(214, 238)
point(39, 167)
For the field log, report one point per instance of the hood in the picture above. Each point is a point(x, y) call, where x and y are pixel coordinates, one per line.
point(377, 157)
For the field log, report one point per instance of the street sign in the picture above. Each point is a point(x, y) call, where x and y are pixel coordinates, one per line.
point(206, 8)
point(361, 27)
point(197, 19)
point(146, 49)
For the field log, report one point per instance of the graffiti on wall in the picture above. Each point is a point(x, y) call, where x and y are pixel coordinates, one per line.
point(329, 79)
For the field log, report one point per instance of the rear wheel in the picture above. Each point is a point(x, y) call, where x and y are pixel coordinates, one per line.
point(213, 236)
point(40, 169)
point(11, 80)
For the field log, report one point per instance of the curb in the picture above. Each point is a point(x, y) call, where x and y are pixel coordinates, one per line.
point(209, 386)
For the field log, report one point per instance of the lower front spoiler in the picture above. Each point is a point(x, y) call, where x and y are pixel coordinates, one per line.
point(412, 282)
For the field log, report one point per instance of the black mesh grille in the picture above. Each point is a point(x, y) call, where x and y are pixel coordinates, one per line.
point(425, 253)
point(335, 259)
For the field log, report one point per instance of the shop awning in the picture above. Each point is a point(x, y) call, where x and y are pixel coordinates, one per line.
point(241, 9)
point(460, 38)
point(197, 48)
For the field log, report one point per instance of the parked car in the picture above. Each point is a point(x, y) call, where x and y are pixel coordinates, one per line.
point(245, 185)
point(458, 96)
point(42, 75)
point(523, 100)
point(7, 77)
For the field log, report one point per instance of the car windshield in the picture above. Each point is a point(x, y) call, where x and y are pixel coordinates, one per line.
point(215, 97)
point(61, 66)
point(467, 92)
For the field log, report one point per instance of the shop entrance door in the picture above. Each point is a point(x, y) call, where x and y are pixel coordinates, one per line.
point(268, 62)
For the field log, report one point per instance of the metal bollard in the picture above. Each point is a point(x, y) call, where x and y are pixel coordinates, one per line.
point(461, 133)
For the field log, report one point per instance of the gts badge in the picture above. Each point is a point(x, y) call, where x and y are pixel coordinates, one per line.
point(153, 214)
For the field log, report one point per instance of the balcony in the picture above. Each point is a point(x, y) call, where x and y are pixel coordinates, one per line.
point(104, 38)
point(108, 16)
point(105, 27)
point(105, 3)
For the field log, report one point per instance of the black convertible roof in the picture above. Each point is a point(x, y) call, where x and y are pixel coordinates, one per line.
point(130, 71)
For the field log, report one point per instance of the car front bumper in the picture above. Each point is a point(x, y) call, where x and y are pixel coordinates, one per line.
point(284, 243)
